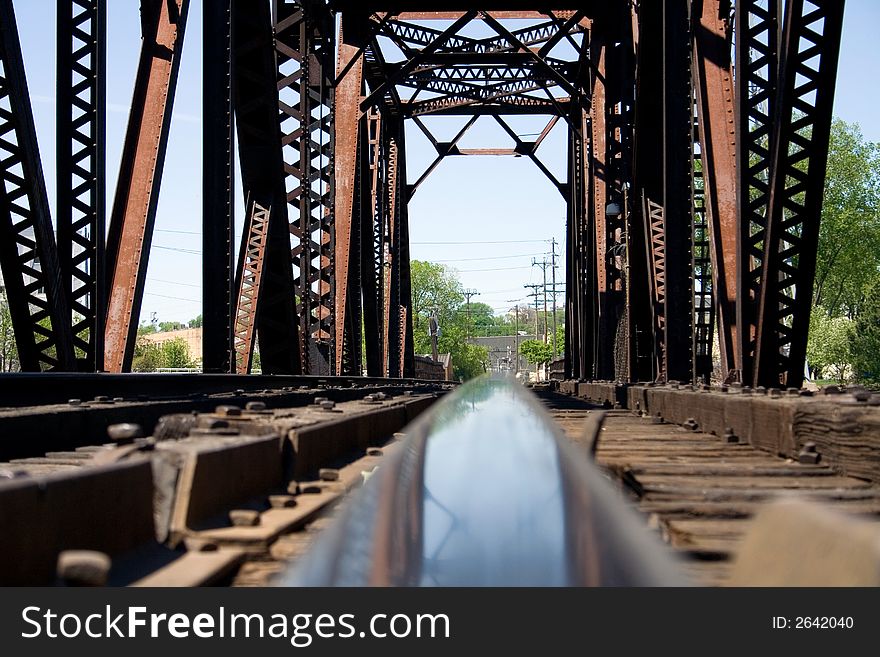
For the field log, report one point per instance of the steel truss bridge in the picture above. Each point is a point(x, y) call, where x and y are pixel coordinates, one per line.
point(696, 155)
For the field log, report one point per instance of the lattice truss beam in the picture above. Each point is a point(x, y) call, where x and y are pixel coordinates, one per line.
point(504, 71)
point(28, 256)
point(81, 176)
point(304, 56)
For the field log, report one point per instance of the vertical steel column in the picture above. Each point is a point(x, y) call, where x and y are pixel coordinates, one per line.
point(810, 50)
point(218, 201)
point(140, 175)
point(603, 346)
point(395, 331)
point(704, 286)
point(304, 57)
point(648, 186)
point(580, 294)
point(620, 69)
point(407, 346)
point(713, 82)
point(373, 243)
point(81, 172)
point(677, 205)
point(255, 96)
point(29, 261)
point(347, 131)
point(757, 64)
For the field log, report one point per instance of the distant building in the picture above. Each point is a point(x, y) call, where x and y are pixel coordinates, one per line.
point(503, 354)
point(192, 337)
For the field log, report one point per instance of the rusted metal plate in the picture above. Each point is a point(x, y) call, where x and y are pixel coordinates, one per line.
point(134, 207)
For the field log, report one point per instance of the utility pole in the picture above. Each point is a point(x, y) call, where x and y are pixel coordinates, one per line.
point(535, 294)
point(543, 265)
point(468, 294)
point(516, 339)
point(553, 271)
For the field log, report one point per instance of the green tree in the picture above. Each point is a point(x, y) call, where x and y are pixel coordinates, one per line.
point(436, 290)
point(147, 356)
point(848, 257)
point(829, 351)
point(171, 326)
point(8, 349)
point(175, 353)
point(150, 356)
point(866, 337)
point(146, 327)
point(195, 322)
point(536, 352)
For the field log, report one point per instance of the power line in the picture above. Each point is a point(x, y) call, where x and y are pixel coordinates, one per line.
point(467, 271)
point(165, 296)
point(490, 242)
point(507, 257)
point(178, 232)
point(159, 280)
point(172, 248)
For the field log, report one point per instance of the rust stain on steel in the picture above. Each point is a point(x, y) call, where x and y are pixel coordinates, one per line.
point(346, 127)
point(136, 197)
point(599, 166)
point(390, 220)
point(717, 127)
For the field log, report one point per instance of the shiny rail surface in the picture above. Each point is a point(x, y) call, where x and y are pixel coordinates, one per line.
point(486, 491)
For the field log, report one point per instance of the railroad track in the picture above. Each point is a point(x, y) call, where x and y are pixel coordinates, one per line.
point(187, 490)
point(235, 486)
point(701, 491)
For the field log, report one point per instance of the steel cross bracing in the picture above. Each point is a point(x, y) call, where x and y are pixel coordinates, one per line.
point(696, 155)
point(81, 220)
point(28, 256)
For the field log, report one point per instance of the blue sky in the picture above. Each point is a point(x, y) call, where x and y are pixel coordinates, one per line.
point(499, 213)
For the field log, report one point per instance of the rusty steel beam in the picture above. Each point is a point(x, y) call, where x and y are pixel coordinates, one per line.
point(81, 172)
point(304, 54)
point(600, 179)
point(347, 134)
point(799, 157)
point(140, 175)
point(255, 95)
point(713, 82)
point(28, 257)
point(218, 193)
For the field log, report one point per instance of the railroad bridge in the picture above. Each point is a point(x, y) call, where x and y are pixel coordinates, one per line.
point(696, 150)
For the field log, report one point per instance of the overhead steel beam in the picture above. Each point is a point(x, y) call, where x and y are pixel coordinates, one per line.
point(81, 172)
point(799, 157)
point(218, 193)
point(140, 175)
point(28, 257)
